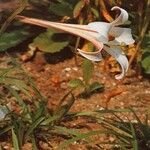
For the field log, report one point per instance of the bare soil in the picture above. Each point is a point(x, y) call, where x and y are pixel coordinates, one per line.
point(51, 73)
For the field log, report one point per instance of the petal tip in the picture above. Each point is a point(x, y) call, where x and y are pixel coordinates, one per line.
point(93, 56)
point(122, 18)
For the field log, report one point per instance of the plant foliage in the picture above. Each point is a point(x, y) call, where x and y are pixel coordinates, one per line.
point(146, 54)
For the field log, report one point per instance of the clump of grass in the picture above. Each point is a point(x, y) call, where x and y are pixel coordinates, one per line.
point(30, 119)
point(127, 134)
point(86, 87)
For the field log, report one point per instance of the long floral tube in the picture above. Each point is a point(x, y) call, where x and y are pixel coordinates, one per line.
point(97, 33)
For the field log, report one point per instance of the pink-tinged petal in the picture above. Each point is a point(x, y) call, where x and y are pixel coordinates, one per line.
point(94, 56)
point(122, 18)
point(78, 30)
point(123, 35)
point(102, 28)
point(117, 53)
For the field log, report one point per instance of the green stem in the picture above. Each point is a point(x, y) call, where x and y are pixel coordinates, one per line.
point(77, 44)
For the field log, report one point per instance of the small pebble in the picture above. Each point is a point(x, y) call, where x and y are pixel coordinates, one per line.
point(75, 68)
point(63, 85)
point(67, 69)
point(81, 78)
point(67, 75)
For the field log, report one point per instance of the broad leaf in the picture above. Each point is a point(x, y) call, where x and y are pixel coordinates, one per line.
point(146, 43)
point(51, 41)
point(75, 83)
point(13, 38)
point(61, 9)
point(146, 62)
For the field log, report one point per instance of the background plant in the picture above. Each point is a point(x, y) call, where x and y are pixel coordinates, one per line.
point(27, 118)
point(89, 88)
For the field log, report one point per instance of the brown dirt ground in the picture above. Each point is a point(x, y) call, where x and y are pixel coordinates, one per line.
point(52, 81)
point(51, 74)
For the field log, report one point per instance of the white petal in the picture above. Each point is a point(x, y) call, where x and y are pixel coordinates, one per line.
point(122, 18)
point(117, 53)
point(102, 28)
point(94, 56)
point(78, 30)
point(123, 35)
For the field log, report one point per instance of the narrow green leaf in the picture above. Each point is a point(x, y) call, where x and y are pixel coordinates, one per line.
point(115, 129)
point(77, 9)
point(15, 140)
point(95, 12)
point(81, 136)
point(40, 110)
point(33, 126)
point(96, 86)
point(134, 141)
point(66, 131)
point(5, 129)
point(34, 145)
point(17, 96)
point(50, 119)
point(63, 110)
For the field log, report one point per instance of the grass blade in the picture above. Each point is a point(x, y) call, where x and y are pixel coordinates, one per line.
point(33, 126)
point(15, 140)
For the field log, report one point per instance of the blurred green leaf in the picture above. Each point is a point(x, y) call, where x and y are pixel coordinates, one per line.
point(146, 62)
point(95, 12)
point(51, 41)
point(23, 4)
point(81, 136)
point(66, 131)
point(76, 83)
point(78, 7)
point(13, 38)
point(87, 68)
point(146, 43)
point(63, 110)
point(62, 8)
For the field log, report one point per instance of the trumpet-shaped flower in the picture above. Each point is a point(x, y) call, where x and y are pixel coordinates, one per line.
point(99, 34)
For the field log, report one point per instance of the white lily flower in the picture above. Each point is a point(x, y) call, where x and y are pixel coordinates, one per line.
point(98, 33)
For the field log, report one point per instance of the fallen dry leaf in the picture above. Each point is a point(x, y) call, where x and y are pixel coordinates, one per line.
point(112, 93)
